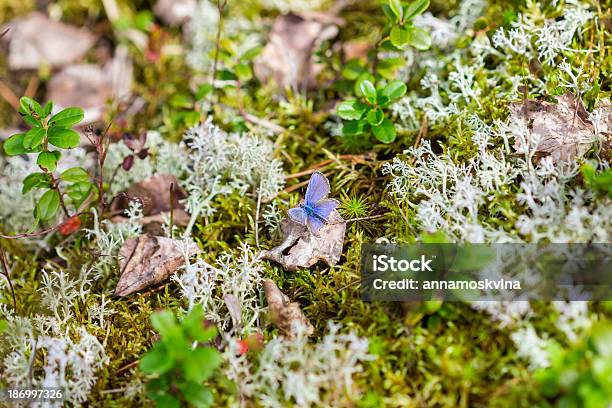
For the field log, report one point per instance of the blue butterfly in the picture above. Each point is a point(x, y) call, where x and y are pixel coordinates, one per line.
point(314, 211)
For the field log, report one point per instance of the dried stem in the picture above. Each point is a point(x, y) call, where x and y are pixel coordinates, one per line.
point(220, 8)
point(39, 233)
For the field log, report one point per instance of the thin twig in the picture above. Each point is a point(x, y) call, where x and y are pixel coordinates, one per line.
point(371, 217)
point(40, 233)
point(32, 87)
point(127, 367)
point(220, 8)
point(55, 186)
point(9, 96)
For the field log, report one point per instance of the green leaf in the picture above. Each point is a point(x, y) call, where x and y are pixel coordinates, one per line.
point(365, 76)
point(32, 121)
point(399, 36)
point(251, 53)
point(203, 91)
point(375, 117)
point(387, 68)
point(34, 138)
point(352, 69)
point(48, 160)
point(397, 9)
point(394, 90)
point(28, 106)
point(47, 109)
point(368, 90)
point(156, 360)
point(389, 13)
point(385, 132)
point(201, 364)
point(167, 401)
point(47, 206)
point(226, 75)
point(78, 192)
point(387, 45)
point(164, 322)
point(197, 395)
point(193, 324)
point(351, 109)
point(420, 39)
point(14, 145)
point(74, 174)
point(67, 117)
point(63, 138)
point(244, 72)
point(415, 8)
point(36, 180)
point(354, 127)
point(180, 100)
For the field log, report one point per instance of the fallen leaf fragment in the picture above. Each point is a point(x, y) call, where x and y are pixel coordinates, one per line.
point(285, 315)
point(91, 86)
point(148, 260)
point(154, 194)
point(36, 40)
point(561, 131)
point(287, 58)
point(301, 249)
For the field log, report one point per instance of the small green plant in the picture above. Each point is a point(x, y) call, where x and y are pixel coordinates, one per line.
point(48, 131)
point(582, 375)
point(598, 181)
point(401, 30)
point(368, 113)
point(180, 361)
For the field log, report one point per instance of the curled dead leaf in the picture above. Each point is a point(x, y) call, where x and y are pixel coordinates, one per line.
point(148, 260)
point(285, 315)
point(287, 59)
point(35, 40)
point(301, 249)
point(561, 131)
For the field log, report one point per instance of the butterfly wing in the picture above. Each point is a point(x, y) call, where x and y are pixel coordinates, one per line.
point(318, 188)
point(324, 207)
point(298, 215)
point(314, 225)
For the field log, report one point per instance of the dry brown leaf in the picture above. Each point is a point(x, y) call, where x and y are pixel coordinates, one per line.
point(301, 249)
point(287, 59)
point(91, 86)
point(154, 195)
point(285, 314)
point(147, 260)
point(36, 40)
point(561, 131)
point(175, 12)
